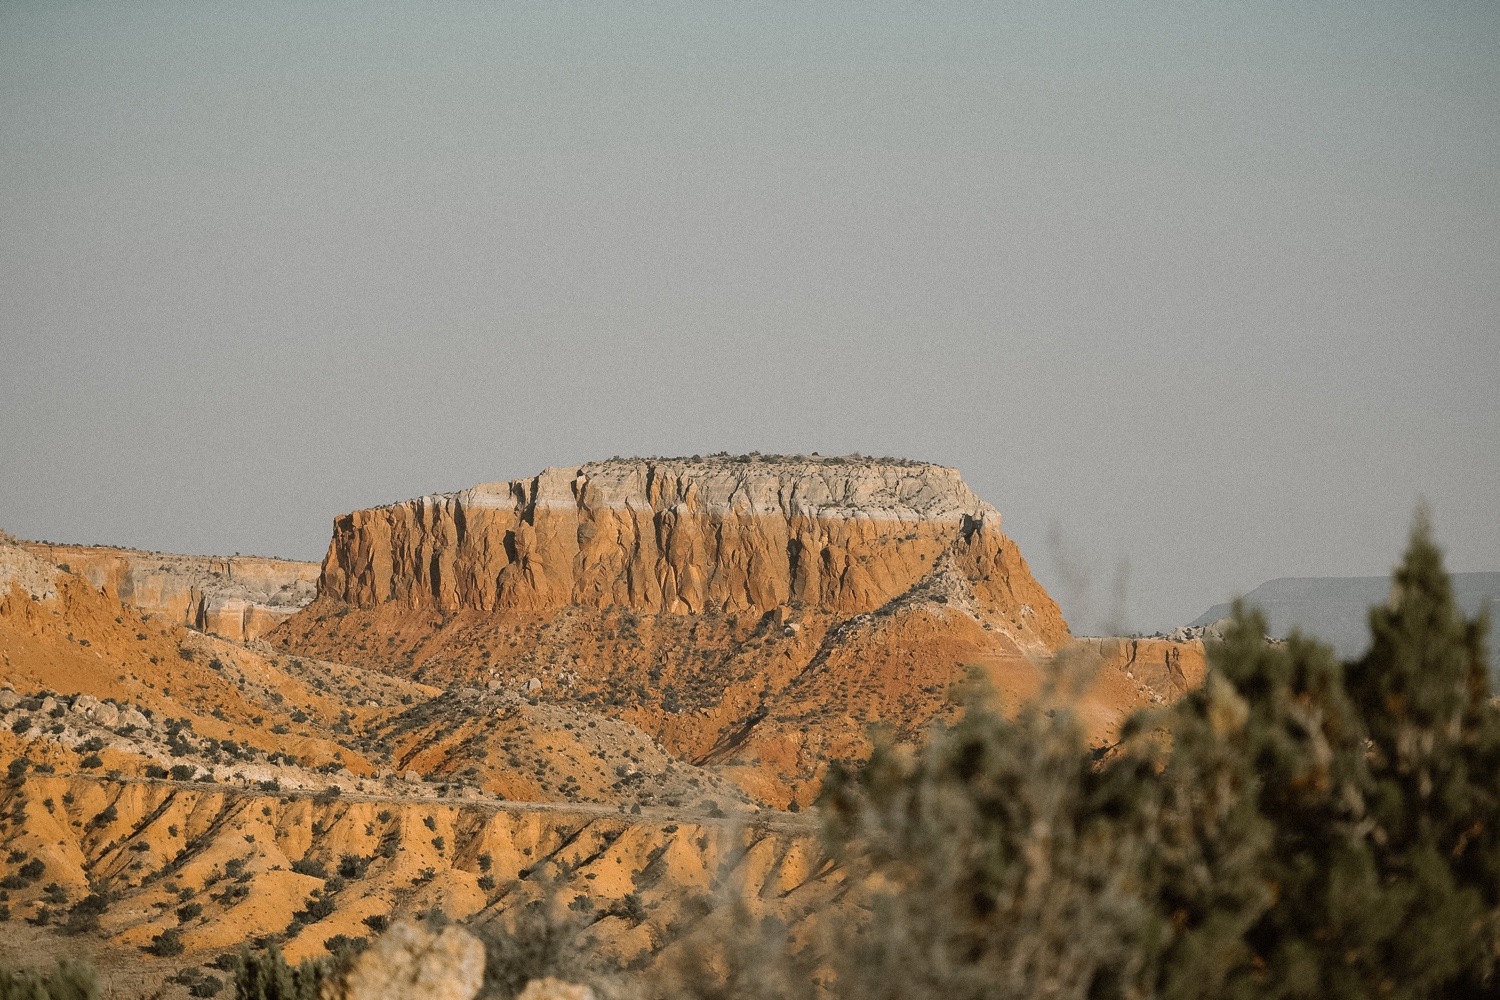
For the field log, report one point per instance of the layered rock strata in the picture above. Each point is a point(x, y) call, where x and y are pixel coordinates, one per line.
point(236, 597)
point(840, 536)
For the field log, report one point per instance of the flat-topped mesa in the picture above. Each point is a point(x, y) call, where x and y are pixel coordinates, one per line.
point(237, 597)
point(842, 535)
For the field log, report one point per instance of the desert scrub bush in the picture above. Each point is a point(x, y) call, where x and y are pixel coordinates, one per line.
point(1297, 826)
point(84, 916)
point(267, 976)
point(68, 980)
point(354, 866)
point(167, 944)
point(310, 866)
point(532, 942)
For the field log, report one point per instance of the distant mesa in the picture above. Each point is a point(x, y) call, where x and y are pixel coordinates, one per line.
point(1336, 609)
point(236, 597)
point(757, 614)
point(683, 535)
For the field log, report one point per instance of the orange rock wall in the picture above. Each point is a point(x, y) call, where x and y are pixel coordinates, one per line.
point(237, 597)
point(683, 537)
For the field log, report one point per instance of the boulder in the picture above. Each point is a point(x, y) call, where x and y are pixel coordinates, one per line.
point(8, 700)
point(555, 989)
point(410, 961)
point(130, 717)
point(98, 712)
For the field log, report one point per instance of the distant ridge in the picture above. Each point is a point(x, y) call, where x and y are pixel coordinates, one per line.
point(1335, 608)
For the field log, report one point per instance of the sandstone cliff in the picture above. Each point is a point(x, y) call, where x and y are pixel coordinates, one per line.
point(237, 597)
point(840, 536)
point(704, 601)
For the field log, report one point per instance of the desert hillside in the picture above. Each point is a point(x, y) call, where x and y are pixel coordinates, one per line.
point(754, 612)
point(618, 686)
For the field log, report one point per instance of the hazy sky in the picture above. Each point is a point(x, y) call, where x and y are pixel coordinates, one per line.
point(1209, 289)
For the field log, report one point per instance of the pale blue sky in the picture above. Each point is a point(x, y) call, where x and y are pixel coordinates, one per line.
point(1212, 291)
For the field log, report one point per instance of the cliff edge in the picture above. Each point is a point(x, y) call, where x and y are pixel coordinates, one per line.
point(236, 597)
point(841, 536)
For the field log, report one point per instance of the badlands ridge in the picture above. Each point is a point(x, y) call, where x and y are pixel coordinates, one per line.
point(620, 683)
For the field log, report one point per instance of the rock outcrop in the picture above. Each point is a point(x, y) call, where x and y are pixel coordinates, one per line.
point(841, 536)
point(236, 597)
point(707, 602)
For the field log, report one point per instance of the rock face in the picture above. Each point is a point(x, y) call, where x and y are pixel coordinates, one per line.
point(756, 613)
point(237, 597)
point(20, 568)
point(550, 988)
point(842, 536)
point(410, 961)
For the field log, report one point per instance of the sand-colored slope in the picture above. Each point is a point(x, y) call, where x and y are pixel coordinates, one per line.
point(769, 699)
point(254, 864)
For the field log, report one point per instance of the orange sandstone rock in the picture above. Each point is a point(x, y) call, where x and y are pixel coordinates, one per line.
point(237, 597)
point(683, 536)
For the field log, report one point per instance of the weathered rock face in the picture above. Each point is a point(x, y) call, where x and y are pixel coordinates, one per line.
point(841, 536)
point(237, 597)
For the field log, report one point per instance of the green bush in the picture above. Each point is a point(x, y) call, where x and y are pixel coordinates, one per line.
point(166, 944)
point(208, 986)
point(68, 980)
point(310, 866)
point(268, 977)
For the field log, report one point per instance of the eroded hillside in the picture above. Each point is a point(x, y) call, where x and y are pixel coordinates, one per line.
point(754, 613)
point(616, 684)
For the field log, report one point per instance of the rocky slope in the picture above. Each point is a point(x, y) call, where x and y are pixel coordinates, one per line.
point(756, 614)
point(220, 866)
point(237, 597)
point(619, 681)
point(162, 784)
